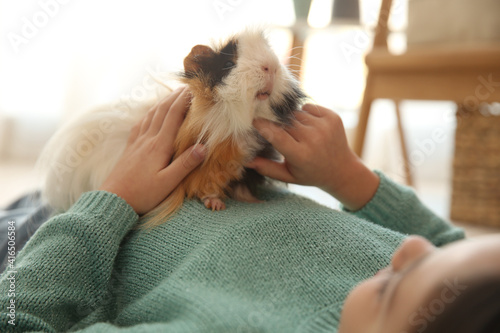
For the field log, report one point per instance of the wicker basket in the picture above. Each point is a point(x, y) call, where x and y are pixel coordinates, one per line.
point(476, 168)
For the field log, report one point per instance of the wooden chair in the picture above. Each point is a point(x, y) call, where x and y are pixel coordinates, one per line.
point(459, 73)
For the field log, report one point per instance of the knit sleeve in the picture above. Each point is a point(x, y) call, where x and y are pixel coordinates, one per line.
point(62, 274)
point(397, 207)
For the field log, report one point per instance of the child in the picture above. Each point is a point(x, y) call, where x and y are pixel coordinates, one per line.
point(284, 265)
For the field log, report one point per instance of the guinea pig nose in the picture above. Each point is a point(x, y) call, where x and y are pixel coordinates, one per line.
point(268, 69)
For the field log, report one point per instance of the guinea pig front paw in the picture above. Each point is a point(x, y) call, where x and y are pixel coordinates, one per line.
point(214, 203)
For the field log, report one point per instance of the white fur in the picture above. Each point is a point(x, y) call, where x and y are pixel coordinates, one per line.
point(80, 156)
point(236, 103)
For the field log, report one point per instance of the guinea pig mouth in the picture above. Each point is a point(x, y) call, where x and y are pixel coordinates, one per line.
point(263, 95)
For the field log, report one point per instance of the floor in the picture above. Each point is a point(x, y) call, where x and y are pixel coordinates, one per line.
point(19, 176)
point(434, 195)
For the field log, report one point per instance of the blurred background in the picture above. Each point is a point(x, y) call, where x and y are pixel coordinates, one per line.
point(59, 58)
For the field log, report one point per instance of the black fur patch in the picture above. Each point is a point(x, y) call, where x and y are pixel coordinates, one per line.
point(252, 179)
point(215, 68)
point(291, 102)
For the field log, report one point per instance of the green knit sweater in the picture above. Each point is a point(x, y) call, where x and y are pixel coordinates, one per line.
point(285, 265)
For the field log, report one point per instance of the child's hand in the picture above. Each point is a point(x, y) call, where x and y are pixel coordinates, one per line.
point(143, 176)
point(317, 154)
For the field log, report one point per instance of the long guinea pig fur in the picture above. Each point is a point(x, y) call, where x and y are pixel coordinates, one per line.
point(231, 85)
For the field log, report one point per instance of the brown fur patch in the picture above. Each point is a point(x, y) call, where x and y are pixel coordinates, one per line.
point(193, 61)
point(223, 165)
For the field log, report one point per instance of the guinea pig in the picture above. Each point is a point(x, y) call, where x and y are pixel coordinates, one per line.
point(231, 85)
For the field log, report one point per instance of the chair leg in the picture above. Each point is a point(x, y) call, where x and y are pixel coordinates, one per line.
point(404, 151)
point(364, 113)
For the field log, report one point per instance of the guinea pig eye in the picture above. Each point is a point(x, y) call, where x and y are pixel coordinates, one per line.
point(228, 65)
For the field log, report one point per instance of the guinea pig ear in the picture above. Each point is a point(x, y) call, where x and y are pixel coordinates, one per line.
point(196, 57)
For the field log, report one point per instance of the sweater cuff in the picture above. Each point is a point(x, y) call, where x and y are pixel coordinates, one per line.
point(387, 200)
point(398, 208)
point(107, 205)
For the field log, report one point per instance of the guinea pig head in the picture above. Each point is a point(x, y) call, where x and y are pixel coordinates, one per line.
point(265, 87)
point(237, 81)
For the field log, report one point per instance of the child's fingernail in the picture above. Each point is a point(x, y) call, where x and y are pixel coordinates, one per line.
point(199, 151)
point(258, 122)
point(250, 165)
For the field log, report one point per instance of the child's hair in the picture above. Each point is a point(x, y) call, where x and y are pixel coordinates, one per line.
point(475, 309)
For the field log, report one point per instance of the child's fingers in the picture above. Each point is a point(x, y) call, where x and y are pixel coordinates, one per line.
point(301, 127)
point(162, 109)
point(158, 111)
point(134, 133)
point(176, 114)
point(277, 136)
point(315, 110)
point(146, 122)
point(302, 117)
point(272, 169)
point(174, 173)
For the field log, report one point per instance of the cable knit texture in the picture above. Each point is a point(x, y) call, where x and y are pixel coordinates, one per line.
point(284, 265)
